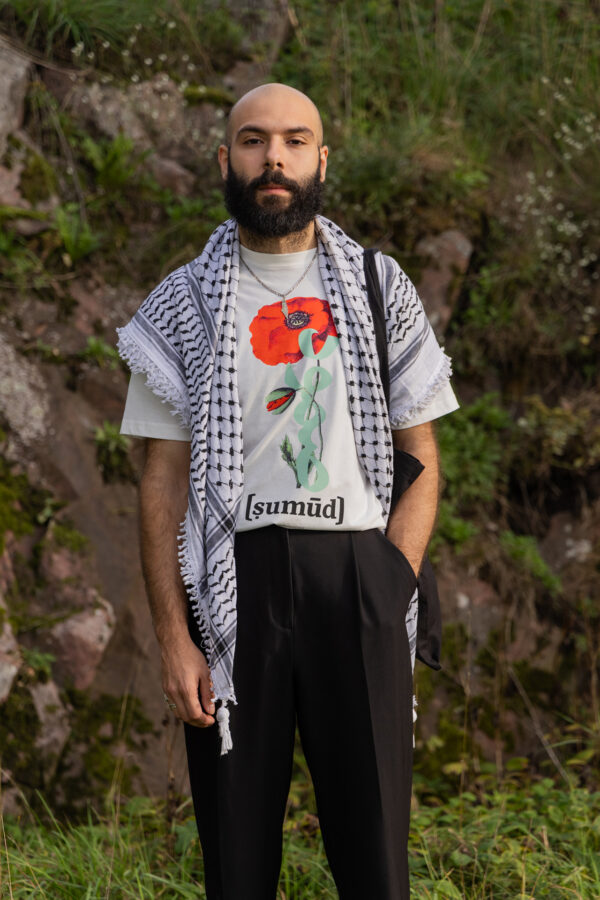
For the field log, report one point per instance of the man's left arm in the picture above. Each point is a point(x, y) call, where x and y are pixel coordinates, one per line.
point(411, 523)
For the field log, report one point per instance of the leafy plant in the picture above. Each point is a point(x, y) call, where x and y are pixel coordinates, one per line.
point(472, 448)
point(523, 551)
point(66, 535)
point(112, 453)
point(115, 162)
point(75, 234)
point(565, 436)
point(40, 662)
point(20, 503)
point(99, 352)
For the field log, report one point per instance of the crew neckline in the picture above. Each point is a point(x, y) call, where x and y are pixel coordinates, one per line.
point(276, 260)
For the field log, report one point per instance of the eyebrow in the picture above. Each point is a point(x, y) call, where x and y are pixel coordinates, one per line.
point(256, 129)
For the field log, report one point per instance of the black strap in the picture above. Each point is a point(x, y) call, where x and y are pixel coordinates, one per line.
point(406, 469)
point(378, 313)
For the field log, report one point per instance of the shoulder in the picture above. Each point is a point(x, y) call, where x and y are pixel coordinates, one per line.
point(391, 275)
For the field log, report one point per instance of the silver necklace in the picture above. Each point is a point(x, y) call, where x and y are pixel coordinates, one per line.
point(284, 307)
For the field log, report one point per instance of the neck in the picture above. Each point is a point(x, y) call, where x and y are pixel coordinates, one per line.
point(289, 243)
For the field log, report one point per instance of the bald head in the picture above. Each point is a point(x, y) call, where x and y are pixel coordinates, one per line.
point(274, 101)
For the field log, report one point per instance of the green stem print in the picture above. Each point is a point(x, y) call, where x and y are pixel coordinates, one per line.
point(287, 452)
point(307, 466)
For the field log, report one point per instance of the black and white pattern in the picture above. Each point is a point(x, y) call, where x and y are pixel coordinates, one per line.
point(183, 340)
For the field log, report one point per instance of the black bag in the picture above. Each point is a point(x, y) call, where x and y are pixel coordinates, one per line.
point(407, 469)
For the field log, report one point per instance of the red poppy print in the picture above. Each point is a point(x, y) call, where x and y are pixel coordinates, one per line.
point(275, 336)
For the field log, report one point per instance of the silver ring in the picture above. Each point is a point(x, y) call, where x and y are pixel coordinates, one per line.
point(169, 703)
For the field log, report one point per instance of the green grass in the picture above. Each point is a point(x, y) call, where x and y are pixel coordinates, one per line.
point(523, 838)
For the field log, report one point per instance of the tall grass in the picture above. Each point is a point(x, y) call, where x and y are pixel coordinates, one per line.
point(522, 839)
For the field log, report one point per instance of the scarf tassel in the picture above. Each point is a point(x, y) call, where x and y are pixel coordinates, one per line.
point(224, 732)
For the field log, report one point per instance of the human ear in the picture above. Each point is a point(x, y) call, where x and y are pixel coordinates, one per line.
point(323, 154)
point(223, 158)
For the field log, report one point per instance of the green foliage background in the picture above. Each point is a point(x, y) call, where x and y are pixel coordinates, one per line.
point(478, 115)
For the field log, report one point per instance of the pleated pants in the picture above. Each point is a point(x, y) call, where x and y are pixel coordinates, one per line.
point(321, 641)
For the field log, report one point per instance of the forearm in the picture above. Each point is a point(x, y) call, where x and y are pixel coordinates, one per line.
point(412, 521)
point(163, 502)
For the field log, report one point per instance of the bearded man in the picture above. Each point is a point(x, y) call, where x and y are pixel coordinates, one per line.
point(281, 590)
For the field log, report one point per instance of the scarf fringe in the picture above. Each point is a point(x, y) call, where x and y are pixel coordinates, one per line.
point(398, 418)
point(222, 691)
point(140, 363)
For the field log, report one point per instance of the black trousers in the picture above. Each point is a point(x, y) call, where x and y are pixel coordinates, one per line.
point(322, 640)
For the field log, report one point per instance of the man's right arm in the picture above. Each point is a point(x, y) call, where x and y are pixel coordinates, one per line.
point(163, 502)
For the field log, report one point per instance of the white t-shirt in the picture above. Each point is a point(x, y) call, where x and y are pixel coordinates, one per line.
point(301, 469)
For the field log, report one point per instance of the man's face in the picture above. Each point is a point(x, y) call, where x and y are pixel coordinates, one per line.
point(274, 163)
point(273, 205)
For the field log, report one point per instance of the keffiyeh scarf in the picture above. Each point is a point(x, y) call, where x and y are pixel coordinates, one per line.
point(183, 340)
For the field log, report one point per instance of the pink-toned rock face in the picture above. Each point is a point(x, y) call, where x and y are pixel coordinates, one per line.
point(54, 721)
point(80, 641)
point(448, 256)
point(14, 77)
point(10, 657)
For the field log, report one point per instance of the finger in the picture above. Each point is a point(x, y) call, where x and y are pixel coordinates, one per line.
point(191, 711)
point(207, 695)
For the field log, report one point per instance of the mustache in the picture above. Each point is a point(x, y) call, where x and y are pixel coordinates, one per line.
point(273, 177)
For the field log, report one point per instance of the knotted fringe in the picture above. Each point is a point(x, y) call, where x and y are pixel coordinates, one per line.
point(224, 732)
point(441, 377)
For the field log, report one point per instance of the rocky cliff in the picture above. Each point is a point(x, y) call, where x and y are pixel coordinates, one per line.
point(104, 187)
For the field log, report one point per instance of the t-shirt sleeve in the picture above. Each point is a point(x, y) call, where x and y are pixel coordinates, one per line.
point(419, 369)
point(443, 402)
point(149, 417)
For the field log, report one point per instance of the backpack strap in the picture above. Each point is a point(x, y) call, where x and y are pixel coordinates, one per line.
point(378, 313)
point(406, 469)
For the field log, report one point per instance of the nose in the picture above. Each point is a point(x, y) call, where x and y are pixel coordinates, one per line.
point(273, 158)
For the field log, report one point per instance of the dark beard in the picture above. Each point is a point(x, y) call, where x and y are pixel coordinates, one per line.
point(268, 219)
